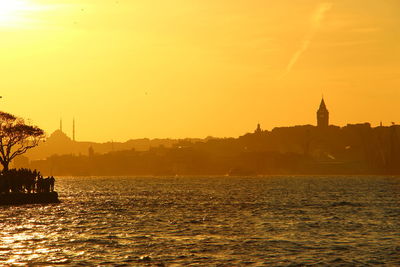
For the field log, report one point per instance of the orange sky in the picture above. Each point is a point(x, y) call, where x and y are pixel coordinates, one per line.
point(178, 68)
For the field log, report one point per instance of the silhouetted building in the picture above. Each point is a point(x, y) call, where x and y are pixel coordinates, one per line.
point(322, 115)
point(91, 151)
point(258, 130)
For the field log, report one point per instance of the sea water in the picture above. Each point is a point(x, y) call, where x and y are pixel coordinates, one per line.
point(208, 221)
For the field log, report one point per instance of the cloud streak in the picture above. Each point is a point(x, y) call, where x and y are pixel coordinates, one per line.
point(316, 20)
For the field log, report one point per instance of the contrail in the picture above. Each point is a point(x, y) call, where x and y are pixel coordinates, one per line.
point(316, 20)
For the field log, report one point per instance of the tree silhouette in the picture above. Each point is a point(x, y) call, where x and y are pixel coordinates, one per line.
point(16, 138)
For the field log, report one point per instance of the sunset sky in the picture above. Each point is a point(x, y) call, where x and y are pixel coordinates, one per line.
point(131, 69)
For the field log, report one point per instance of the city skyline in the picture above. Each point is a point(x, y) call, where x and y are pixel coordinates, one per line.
point(319, 122)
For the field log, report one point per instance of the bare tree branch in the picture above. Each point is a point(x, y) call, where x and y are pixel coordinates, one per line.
point(16, 137)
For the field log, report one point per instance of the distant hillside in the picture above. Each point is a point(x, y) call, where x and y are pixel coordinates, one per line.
point(59, 143)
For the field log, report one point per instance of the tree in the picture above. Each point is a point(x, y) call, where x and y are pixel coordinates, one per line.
point(16, 138)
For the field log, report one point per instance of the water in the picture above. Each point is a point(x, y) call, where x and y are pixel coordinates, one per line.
point(209, 221)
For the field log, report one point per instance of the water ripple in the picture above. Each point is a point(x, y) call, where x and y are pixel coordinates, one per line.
point(208, 221)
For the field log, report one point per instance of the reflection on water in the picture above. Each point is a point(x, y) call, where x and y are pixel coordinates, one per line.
point(209, 220)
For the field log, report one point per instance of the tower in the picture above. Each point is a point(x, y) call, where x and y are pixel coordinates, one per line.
point(322, 115)
point(73, 129)
point(258, 129)
point(61, 125)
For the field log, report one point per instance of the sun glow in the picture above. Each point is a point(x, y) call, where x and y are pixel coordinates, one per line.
point(15, 12)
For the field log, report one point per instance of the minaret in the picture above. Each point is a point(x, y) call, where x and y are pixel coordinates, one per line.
point(61, 125)
point(73, 129)
point(322, 115)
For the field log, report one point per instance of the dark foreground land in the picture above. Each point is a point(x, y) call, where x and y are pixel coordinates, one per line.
point(23, 198)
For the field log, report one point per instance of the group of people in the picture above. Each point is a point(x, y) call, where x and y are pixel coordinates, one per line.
point(25, 181)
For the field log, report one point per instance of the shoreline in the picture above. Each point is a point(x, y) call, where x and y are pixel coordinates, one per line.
point(225, 176)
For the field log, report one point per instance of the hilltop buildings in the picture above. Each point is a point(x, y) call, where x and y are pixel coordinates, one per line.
point(302, 149)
